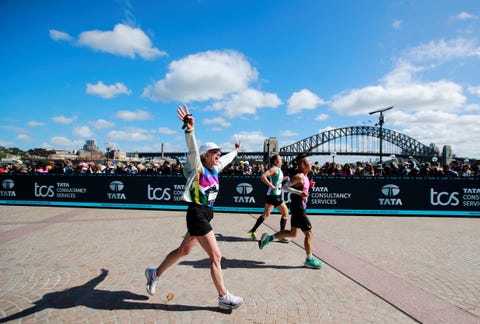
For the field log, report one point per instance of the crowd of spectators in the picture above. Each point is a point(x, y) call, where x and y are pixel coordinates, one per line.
point(395, 168)
point(409, 168)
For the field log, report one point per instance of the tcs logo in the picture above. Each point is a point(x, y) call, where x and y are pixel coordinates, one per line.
point(44, 191)
point(444, 198)
point(154, 193)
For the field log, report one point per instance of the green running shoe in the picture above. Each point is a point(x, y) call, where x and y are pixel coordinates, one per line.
point(264, 240)
point(252, 235)
point(313, 263)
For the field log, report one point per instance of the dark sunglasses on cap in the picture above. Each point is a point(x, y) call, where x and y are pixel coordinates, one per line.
point(215, 151)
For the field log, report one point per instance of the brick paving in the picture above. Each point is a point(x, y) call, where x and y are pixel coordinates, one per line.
point(85, 265)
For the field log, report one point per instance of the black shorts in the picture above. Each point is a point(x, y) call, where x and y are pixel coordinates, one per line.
point(198, 219)
point(300, 220)
point(273, 200)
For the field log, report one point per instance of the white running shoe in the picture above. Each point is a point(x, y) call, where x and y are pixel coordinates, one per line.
point(229, 301)
point(152, 280)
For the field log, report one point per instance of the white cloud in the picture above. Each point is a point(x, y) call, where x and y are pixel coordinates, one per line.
point(63, 143)
point(321, 117)
point(24, 137)
point(217, 121)
point(288, 133)
point(430, 111)
point(123, 40)
point(245, 102)
point(397, 24)
point(203, 76)
point(83, 132)
point(14, 129)
point(402, 74)
point(399, 89)
point(129, 135)
point(101, 124)
point(465, 16)
point(443, 50)
point(64, 120)
point(127, 115)
point(442, 128)
point(303, 100)
point(251, 141)
point(474, 90)
point(57, 35)
point(107, 92)
point(472, 107)
point(166, 131)
point(34, 123)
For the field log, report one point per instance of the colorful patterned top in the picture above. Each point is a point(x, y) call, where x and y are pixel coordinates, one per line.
point(194, 164)
point(205, 190)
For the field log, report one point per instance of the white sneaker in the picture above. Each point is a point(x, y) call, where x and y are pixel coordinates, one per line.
point(229, 301)
point(152, 280)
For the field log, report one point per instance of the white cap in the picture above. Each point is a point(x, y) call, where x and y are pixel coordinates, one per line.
point(208, 146)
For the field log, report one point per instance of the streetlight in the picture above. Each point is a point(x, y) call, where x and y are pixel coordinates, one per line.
point(108, 147)
point(380, 123)
point(333, 156)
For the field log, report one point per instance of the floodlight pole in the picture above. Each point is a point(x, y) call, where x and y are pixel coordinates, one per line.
point(381, 121)
point(108, 147)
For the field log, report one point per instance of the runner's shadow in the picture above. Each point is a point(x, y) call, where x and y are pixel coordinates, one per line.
point(236, 263)
point(224, 238)
point(86, 295)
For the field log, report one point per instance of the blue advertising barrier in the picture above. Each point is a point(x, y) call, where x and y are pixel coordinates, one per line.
point(330, 195)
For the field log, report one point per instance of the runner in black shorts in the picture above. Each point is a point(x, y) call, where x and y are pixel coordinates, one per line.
point(300, 219)
point(198, 219)
point(273, 200)
point(201, 171)
point(273, 178)
point(299, 189)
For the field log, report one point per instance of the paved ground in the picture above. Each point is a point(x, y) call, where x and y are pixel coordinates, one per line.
point(85, 265)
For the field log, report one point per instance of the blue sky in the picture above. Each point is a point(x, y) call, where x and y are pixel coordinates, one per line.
point(115, 71)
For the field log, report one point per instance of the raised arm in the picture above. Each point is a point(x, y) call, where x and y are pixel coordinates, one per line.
point(184, 115)
point(228, 158)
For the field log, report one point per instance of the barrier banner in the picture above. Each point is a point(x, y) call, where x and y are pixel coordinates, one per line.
point(330, 195)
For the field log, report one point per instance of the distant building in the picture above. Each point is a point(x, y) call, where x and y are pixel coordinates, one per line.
point(90, 151)
point(91, 146)
point(270, 146)
point(90, 155)
point(11, 159)
point(119, 155)
point(63, 155)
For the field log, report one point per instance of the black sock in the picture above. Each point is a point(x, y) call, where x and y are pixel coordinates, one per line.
point(257, 224)
point(283, 223)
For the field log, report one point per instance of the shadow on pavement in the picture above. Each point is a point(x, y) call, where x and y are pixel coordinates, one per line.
point(235, 263)
point(86, 295)
point(225, 238)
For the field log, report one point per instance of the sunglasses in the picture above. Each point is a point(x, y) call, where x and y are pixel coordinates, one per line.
point(215, 151)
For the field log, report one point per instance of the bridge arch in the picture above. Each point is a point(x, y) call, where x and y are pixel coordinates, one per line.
point(407, 144)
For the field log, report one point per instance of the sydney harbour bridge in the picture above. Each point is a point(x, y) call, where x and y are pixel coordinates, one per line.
point(369, 141)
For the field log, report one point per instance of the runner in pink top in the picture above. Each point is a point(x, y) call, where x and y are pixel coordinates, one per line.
point(299, 188)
